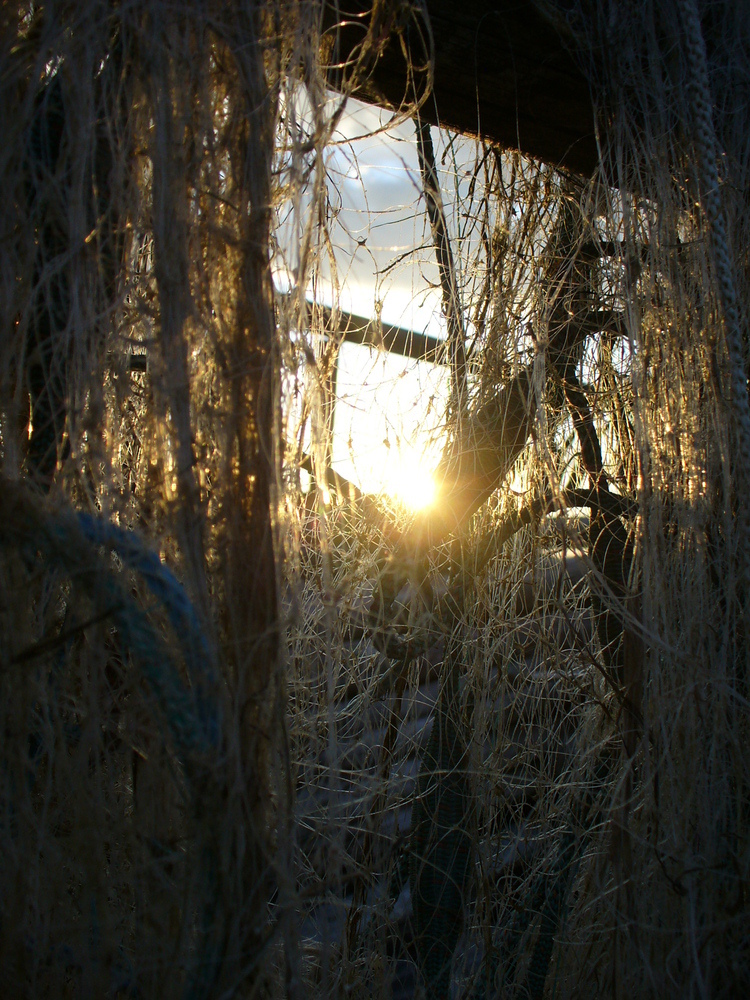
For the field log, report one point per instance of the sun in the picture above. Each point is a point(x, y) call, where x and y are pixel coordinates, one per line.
point(412, 483)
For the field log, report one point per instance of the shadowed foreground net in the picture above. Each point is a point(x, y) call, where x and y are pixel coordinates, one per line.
point(259, 741)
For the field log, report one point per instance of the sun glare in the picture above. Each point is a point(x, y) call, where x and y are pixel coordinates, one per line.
point(412, 484)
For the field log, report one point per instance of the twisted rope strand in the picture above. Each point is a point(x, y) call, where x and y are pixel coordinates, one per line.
point(707, 153)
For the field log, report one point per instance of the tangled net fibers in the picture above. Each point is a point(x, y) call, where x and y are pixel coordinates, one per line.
point(264, 741)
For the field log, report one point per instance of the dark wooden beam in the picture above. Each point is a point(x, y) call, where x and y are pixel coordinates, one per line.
point(501, 72)
point(353, 329)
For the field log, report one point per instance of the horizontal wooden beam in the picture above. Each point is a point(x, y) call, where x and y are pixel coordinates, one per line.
point(501, 72)
point(354, 329)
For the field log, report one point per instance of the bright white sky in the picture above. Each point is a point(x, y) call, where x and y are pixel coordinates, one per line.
point(375, 187)
point(389, 409)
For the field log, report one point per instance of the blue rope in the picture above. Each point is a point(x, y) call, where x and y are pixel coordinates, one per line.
point(191, 711)
point(167, 589)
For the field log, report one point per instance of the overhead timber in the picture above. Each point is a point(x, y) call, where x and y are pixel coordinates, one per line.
point(501, 72)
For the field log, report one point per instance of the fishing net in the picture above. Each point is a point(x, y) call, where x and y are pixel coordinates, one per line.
point(264, 733)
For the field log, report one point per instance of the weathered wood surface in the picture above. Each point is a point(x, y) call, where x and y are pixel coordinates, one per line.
point(501, 72)
point(352, 329)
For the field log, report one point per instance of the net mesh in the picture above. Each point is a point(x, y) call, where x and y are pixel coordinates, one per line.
point(265, 735)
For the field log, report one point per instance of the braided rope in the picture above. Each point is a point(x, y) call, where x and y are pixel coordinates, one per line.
point(707, 151)
point(68, 541)
point(441, 853)
point(202, 706)
point(546, 899)
point(552, 914)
